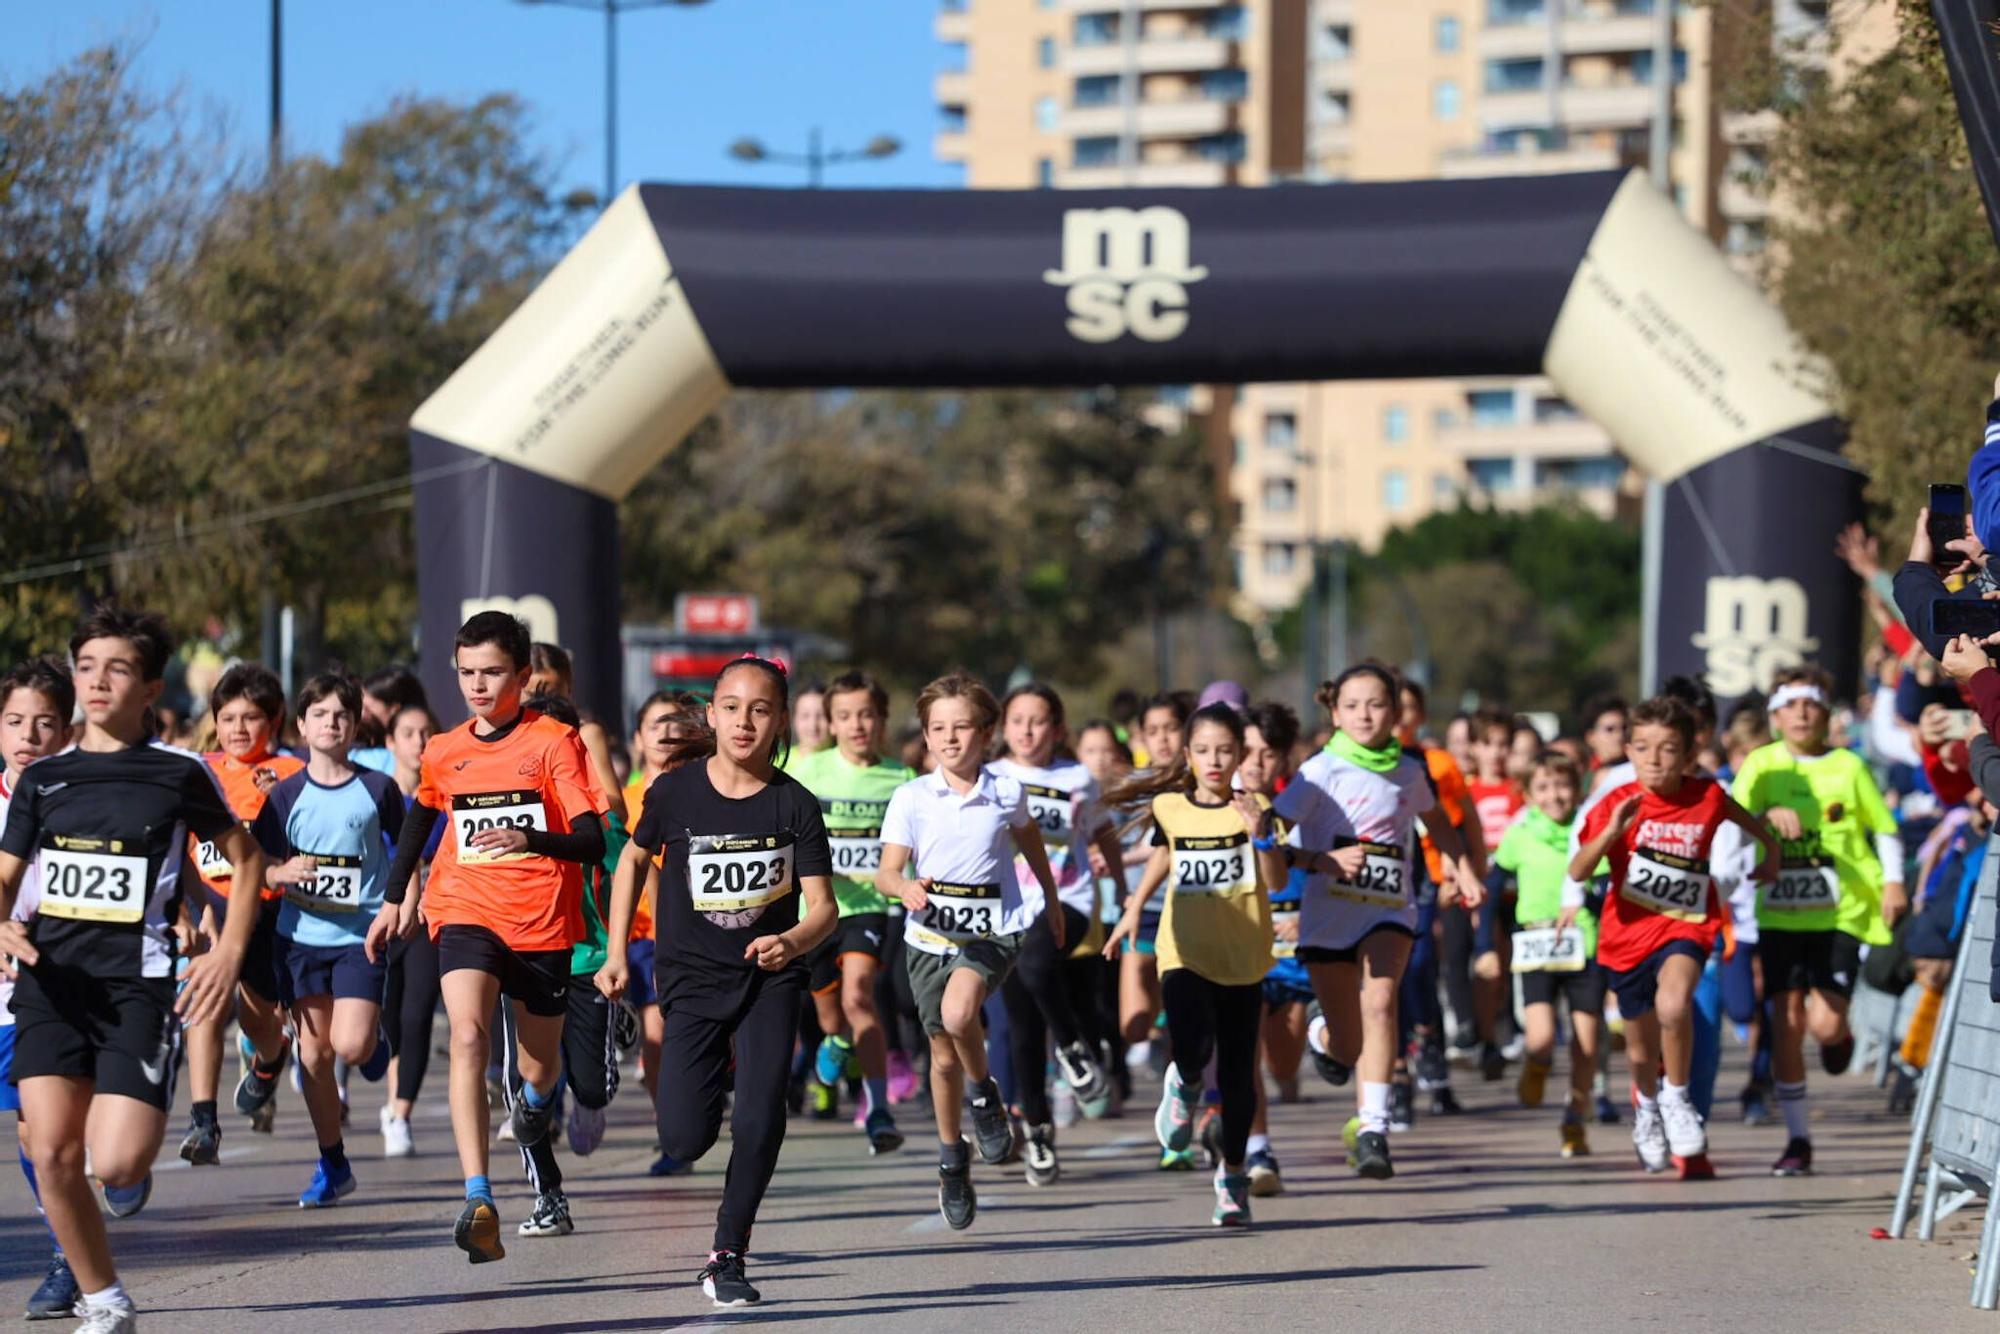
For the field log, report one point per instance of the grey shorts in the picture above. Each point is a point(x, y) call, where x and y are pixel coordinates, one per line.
point(991, 957)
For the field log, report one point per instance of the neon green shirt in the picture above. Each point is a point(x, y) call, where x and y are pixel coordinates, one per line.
point(852, 800)
point(1535, 851)
point(1840, 808)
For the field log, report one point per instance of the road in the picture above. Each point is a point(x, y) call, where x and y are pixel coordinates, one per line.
point(1483, 1228)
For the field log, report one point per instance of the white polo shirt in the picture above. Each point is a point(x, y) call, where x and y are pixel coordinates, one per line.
point(961, 840)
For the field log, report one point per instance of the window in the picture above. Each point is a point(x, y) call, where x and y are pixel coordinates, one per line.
point(1491, 407)
point(1395, 489)
point(1642, 66)
point(1395, 423)
point(1095, 90)
point(1229, 23)
point(1502, 12)
point(1336, 42)
point(1279, 557)
point(1096, 29)
point(1514, 76)
point(1491, 475)
point(1443, 490)
point(1447, 34)
point(1046, 113)
point(951, 119)
point(1045, 52)
point(1225, 85)
point(1444, 99)
point(1219, 147)
point(1443, 419)
point(1281, 495)
point(1592, 474)
point(1555, 410)
point(1045, 172)
point(1096, 151)
point(1281, 430)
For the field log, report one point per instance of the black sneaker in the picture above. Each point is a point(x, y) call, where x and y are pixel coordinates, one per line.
point(1371, 1156)
point(56, 1299)
point(202, 1146)
point(531, 1124)
point(722, 1279)
point(1492, 1062)
point(477, 1232)
point(260, 1083)
point(990, 1127)
point(1835, 1057)
point(550, 1219)
point(1402, 1107)
point(1796, 1160)
point(1332, 1071)
point(1444, 1102)
point(1433, 1071)
point(957, 1200)
point(1080, 1070)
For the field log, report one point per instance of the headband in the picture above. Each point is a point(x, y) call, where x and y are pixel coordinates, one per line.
point(1793, 693)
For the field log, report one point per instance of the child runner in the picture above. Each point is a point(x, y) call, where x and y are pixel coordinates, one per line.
point(1840, 886)
point(410, 997)
point(1163, 732)
point(1214, 943)
point(1268, 738)
point(328, 830)
point(1661, 919)
point(1553, 965)
point(1496, 799)
point(97, 1024)
point(503, 901)
point(958, 829)
point(1605, 729)
point(853, 781)
point(1353, 809)
point(36, 703)
point(745, 893)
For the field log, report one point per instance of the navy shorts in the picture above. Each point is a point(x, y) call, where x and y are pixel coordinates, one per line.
point(1634, 986)
point(10, 1097)
point(639, 987)
point(1933, 933)
point(1282, 991)
point(340, 971)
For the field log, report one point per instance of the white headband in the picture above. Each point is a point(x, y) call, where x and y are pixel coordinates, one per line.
point(1792, 694)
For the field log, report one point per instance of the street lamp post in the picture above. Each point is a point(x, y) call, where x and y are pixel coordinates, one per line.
point(816, 159)
point(611, 9)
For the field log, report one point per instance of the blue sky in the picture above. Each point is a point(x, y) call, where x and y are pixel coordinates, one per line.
point(691, 80)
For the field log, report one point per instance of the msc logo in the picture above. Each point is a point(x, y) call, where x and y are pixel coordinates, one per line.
point(536, 610)
point(1755, 628)
point(1127, 273)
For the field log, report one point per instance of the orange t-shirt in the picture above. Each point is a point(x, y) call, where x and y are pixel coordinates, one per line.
point(535, 776)
point(246, 799)
point(642, 914)
point(1454, 799)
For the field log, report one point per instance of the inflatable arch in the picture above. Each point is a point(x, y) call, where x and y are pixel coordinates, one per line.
point(677, 294)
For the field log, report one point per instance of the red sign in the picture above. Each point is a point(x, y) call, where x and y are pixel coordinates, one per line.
point(715, 613)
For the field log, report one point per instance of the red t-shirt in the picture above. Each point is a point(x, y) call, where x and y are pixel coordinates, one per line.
point(1660, 885)
point(1497, 803)
point(239, 784)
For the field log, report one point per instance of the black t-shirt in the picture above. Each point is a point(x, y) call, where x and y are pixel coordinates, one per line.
point(108, 831)
point(730, 871)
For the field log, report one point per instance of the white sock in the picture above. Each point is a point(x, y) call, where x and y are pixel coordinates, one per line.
point(1316, 1035)
point(115, 1295)
point(1671, 1092)
point(1374, 1106)
point(1258, 1144)
point(1645, 1102)
point(1792, 1102)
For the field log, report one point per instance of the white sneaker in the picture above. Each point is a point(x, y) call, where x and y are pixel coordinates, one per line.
point(396, 1141)
point(107, 1319)
point(506, 1131)
point(1649, 1137)
point(1686, 1135)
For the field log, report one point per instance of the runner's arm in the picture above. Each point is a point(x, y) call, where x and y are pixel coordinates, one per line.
point(418, 822)
point(1157, 865)
point(1460, 872)
point(635, 868)
point(583, 843)
point(893, 883)
point(1767, 869)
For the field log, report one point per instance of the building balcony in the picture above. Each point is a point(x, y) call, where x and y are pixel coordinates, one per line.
point(1749, 127)
point(1164, 175)
point(1560, 438)
point(1182, 118)
point(953, 25)
point(1458, 163)
point(1330, 138)
point(1608, 105)
point(1581, 33)
point(1335, 74)
point(1112, 6)
point(1737, 199)
point(1333, 11)
point(952, 88)
point(951, 146)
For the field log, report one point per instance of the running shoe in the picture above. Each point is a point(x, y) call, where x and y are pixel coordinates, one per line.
point(396, 1139)
point(957, 1200)
point(505, 1133)
point(1492, 1062)
point(1649, 1137)
point(120, 1319)
point(496, 1097)
point(1433, 1071)
point(1835, 1057)
point(477, 1232)
point(830, 1061)
point(903, 1081)
point(1796, 1160)
point(990, 1128)
point(883, 1137)
point(1686, 1136)
point(1173, 1122)
point(1177, 1160)
point(58, 1295)
point(202, 1145)
point(1040, 1156)
point(1575, 1139)
point(531, 1123)
point(724, 1282)
point(1063, 1104)
point(327, 1188)
point(259, 1084)
point(1402, 1106)
point(822, 1101)
point(124, 1201)
point(550, 1218)
point(1533, 1083)
point(1756, 1104)
point(666, 1165)
point(1079, 1068)
point(1903, 1090)
point(1371, 1156)
point(1264, 1179)
point(1445, 1103)
point(377, 1064)
point(583, 1127)
point(1332, 1071)
point(1208, 1134)
point(1607, 1110)
point(1232, 1201)
point(1349, 1133)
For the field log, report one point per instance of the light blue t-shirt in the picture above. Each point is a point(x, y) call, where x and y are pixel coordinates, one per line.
point(352, 830)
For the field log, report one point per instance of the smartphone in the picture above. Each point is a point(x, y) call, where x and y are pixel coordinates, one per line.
point(1977, 617)
point(1947, 522)
point(1959, 724)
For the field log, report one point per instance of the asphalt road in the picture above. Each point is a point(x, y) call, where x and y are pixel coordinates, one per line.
point(1484, 1228)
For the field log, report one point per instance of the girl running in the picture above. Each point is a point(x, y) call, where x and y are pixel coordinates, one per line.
point(1353, 809)
point(1214, 943)
point(1268, 739)
point(745, 893)
point(1162, 732)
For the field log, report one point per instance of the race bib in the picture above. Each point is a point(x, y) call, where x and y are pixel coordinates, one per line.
point(1051, 809)
point(1673, 886)
point(475, 812)
point(210, 863)
point(955, 916)
point(736, 876)
point(1537, 950)
point(1807, 881)
point(857, 853)
point(335, 886)
point(1216, 865)
point(92, 880)
point(1282, 948)
point(1382, 880)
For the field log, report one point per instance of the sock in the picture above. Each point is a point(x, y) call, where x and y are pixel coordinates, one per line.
point(955, 1157)
point(1374, 1106)
point(203, 1112)
point(1923, 1026)
point(1258, 1144)
point(479, 1188)
point(877, 1093)
point(334, 1157)
point(114, 1295)
point(1671, 1092)
point(1646, 1102)
point(1792, 1102)
point(1316, 1035)
point(535, 1097)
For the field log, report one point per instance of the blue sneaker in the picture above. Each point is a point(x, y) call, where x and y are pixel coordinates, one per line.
point(831, 1060)
point(666, 1165)
point(56, 1299)
point(124, 1201)
point(1173, 1121)
point(377, 1064)
point(327, 1188)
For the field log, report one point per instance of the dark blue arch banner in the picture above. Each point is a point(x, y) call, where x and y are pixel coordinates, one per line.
point(679, 294)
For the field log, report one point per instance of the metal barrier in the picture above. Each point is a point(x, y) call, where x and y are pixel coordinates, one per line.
point(1877, 1021)
point(1957, 1119)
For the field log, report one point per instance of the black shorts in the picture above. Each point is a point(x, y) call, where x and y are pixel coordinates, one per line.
point(1635, 986)
point(863, 933)
point(1583, 990)
point(1310, 954)
point(340, 971)
point(538, 979)
point(119, 1032)
point(1827, 961)
point(260, 956)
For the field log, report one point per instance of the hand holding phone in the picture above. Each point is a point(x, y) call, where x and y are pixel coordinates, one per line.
point(1946, 524)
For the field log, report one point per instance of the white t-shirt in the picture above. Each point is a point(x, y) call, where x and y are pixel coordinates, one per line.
point(29, 895)
point(960, 840)
point(1063, 801)
point(1335, 804)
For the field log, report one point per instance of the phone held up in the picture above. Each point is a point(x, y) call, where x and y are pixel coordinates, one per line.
point(1947, 523)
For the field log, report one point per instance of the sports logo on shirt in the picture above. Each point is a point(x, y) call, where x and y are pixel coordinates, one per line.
point(1755, 629)
point(1127, 272)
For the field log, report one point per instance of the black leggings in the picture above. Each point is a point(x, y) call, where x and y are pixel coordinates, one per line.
point(895, 1003)
point(589, 1066)
point(1207, 1019)
point(1048, 995)
point(1455, 966)
point(408, 1007)
point(694, 1074)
